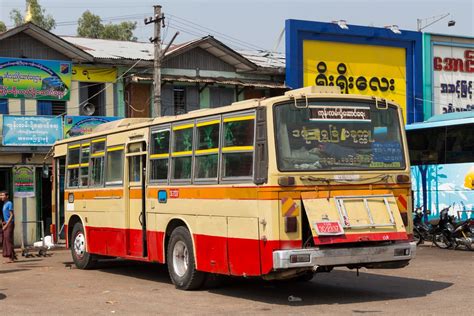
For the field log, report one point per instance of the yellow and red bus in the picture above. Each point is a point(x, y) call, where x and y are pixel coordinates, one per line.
point(276, 188)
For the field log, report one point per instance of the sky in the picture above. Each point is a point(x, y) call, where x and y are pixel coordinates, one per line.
point(254, 24)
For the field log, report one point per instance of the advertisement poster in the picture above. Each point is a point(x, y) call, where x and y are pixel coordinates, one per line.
point(23, 181)
point(82, 125)
point(31, 130)
point(93, 74)
point(35, 79)
point(453, 79)
point(358, 69)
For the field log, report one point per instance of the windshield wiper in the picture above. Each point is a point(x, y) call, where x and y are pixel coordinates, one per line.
point(328, 181)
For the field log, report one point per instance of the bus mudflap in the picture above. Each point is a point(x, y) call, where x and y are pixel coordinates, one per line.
point(353, 218)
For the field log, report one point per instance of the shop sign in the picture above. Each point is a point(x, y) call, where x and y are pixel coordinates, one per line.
point(357, 69)
point(93, 74)
point(453, 79)
point(35, 79)
point(23, 181)
point(31, 130)
point(82, 125)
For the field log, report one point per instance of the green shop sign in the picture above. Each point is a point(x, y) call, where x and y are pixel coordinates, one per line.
point(23, 181)
point(35, 79)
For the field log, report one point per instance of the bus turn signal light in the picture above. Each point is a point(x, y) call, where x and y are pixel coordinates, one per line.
point(403, 178)
point(300, 258)
point(286, 181)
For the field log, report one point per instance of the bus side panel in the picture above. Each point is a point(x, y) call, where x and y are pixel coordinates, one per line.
point(210, 241)
point(243, 244)
point(155, 240)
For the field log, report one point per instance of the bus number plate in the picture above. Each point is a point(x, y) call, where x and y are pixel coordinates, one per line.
point(328, 228)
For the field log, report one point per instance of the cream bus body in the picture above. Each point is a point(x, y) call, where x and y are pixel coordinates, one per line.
point(252, 203)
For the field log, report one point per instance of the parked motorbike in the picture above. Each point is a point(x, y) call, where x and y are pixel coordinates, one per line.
point(421, 231)
point(449, 234)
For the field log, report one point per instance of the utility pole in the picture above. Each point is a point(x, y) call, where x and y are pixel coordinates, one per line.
point(158, 19)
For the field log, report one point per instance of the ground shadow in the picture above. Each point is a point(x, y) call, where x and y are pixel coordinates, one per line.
point(2, 296)
point(337, 287)
point(12, 270)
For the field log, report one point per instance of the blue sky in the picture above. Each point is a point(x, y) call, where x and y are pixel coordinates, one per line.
point(254, 24)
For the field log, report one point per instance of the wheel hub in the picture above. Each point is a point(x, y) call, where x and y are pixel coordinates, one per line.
point(180, 258)
point(79, 245)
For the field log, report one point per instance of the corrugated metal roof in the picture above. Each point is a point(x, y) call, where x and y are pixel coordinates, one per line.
point(215, 80)
point(101, 48)
point(111, 49)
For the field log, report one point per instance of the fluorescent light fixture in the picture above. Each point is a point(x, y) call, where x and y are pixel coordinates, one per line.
point(393, 28)
point(342, 24)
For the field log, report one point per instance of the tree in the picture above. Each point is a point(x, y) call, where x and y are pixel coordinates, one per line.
point(36, 14)
point(3, 27)
point(90, 25)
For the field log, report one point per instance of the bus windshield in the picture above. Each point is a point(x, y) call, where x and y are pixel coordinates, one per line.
point(338, 135)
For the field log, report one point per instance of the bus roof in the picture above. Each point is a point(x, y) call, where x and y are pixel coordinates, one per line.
point(456, 118)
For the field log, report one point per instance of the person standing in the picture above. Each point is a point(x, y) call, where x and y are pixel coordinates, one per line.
point(8, 227)
point(1, 222)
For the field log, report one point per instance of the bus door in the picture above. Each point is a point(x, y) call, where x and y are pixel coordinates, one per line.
point(135, 215)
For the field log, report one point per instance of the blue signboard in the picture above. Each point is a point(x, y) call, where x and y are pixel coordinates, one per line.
point(82, 125)
point(31, 130)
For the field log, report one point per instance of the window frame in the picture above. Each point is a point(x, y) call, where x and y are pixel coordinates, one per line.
point(78, 145)
point(171, 164)
point(153, 130)
point(219, 147)
point(222, 178)
point(91, 156)
point(116, 147)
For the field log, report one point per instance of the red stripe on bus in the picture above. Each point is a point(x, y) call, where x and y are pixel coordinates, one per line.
point(362, 237)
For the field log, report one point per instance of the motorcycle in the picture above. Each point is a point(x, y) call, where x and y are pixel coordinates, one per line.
point(449, 234)
point(421, 231)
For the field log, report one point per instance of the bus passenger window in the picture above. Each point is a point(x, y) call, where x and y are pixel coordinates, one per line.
point(114, 168)
point(159, 156)
point(182, 152)
point(207, 150)
point(238, 146)
point(97, 162)
point(73, 166)
point(84, 173)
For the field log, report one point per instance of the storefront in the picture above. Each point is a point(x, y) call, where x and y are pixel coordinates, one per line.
point(448, 75)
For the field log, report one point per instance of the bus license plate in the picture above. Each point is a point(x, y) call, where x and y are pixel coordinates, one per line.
point(328, 228)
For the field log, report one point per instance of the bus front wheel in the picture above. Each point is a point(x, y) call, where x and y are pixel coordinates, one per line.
point(82, 259)
point(181, 263)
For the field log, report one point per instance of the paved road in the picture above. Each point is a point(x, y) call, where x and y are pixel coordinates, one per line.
point(436, 283)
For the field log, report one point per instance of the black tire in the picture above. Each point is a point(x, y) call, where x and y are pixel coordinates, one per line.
point(417, 237)
point(181, 263)
point(82, 259)
point(441, 241)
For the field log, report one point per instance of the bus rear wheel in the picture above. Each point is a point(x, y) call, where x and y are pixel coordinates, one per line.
point(82, 259)
point(181, 263)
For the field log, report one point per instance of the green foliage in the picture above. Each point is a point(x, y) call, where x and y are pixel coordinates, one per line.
point(3, 27)
point(90, 25)
point(36, 14)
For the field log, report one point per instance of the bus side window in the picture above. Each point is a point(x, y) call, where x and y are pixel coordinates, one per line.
point(238, 146)
point(73, 164)
point(182, 152)
point(459, 144)
point(114, 168)
point(207, 150)
point(84, 166)
point(159, 155)
point(97, 162)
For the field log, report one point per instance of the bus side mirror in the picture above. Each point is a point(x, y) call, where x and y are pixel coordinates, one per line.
point(45, 172)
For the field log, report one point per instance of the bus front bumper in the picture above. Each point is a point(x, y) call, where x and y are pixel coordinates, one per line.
point(388, 256)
